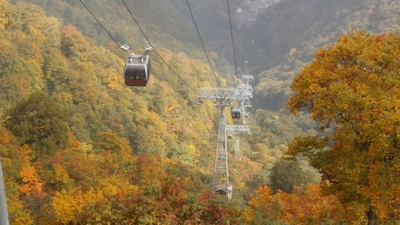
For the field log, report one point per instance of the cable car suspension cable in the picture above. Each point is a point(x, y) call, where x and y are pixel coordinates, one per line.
point(140, 28)
point(233, 45)
point(119, 45)
point(99, 23)
point(201, 40)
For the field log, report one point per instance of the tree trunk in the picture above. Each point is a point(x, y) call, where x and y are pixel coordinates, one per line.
point(372, 217)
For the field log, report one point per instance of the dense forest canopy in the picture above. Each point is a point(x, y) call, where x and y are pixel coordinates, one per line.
point(78, 146)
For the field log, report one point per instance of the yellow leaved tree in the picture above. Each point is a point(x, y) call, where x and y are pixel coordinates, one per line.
point(30, 180)
point(67, 204)
point(352, 90)
point(3, 11)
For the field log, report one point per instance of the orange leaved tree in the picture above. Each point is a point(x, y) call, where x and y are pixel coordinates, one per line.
point(352, 90)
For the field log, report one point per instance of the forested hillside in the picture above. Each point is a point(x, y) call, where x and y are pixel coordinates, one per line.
point(167, 24)
point(76, 141)
point(285, 37)
point(79, 147)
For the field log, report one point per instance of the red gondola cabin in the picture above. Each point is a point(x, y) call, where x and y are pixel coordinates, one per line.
point(137, 70)
point(236, 113)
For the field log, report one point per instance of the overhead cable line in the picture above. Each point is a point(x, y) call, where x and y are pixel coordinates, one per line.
point(233, 45)
point(112, 38)
point(201, 40)
point(140, 28)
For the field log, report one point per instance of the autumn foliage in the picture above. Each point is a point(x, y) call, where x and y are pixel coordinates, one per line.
point(351, 90)
point(79, 147)
point(306, 206)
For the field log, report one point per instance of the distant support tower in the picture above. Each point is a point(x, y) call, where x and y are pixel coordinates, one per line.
point(248, 90)
point(237, 130)
point(222, 97)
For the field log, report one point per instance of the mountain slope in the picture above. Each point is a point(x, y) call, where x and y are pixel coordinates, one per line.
point(285, 36)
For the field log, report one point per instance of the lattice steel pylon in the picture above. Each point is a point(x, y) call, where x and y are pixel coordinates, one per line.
point(222, 97)
point(237, 130)
point(248, 90)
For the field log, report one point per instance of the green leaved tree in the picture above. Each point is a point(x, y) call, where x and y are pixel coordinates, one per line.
point(287, 175)
point(39, 122)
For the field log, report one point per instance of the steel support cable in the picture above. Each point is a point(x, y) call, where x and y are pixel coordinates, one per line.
point(233, 43)
point(202, 44)
point(141, 30)
point(112, 38)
